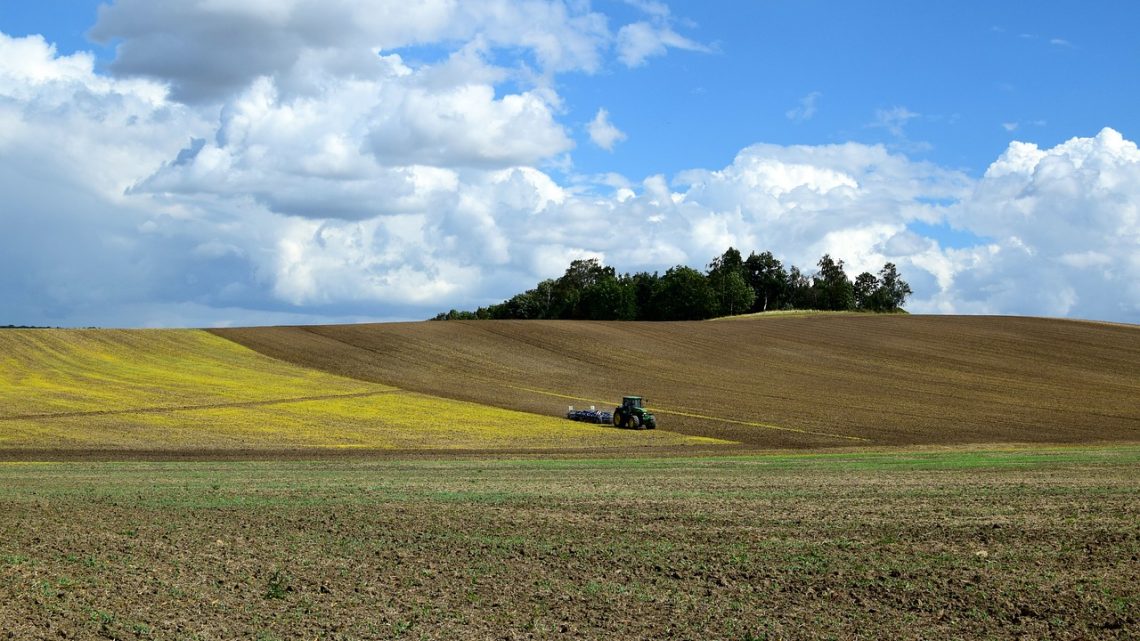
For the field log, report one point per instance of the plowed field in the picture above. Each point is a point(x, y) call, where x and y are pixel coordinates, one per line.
point(974, 545)
point(782, 381)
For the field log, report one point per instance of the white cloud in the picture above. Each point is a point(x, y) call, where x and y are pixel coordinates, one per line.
point(401, 192)
point(650, 7)
point(806, 108)
point(359, 149)
point(282, 39)
point(639, 41)
point(1009, 126)
point(1066, 225)
point(603, 133)
point(894, 120)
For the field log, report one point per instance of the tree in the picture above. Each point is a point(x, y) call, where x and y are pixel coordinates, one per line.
point(893, 290)
point(571, 286)
point(684, 294)
point(728, 262)
point(834, 291)
point(726, 277)
point(732, 285)
point(766, 275)
point(736, 297)
point(865, 287)
point(608, 299)
point(800, 293)
point(644, 286)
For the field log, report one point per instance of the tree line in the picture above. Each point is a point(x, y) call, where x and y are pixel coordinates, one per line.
point(731, 285)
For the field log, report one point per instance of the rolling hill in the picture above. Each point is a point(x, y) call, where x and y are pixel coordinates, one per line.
point(801, 381)
point(186, 392)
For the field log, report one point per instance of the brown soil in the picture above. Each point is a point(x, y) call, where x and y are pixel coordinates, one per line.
point(1025, 546)
point(800, 381)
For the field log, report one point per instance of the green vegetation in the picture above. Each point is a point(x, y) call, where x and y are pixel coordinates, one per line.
point(1001, 543)
point(732, 285)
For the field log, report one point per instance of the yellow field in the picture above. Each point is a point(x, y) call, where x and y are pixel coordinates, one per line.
point(188, 390)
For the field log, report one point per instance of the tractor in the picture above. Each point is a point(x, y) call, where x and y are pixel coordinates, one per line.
point(632, 414)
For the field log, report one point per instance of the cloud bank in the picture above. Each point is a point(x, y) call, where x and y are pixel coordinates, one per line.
point(317, 172)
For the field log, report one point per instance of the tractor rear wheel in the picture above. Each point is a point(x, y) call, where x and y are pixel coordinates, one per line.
point(617, 419)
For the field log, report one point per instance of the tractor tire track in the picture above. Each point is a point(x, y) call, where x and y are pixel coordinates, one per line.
point(166, 409)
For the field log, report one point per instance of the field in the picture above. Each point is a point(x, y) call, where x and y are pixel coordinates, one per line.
point(1016, 543)
point(802, 381)
point(187, 392)
point(814, 477)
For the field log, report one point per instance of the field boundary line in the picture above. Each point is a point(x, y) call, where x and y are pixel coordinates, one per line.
point(206, 406)
point(657, 410)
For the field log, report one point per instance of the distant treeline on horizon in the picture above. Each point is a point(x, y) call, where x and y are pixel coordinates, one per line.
point(732, 285)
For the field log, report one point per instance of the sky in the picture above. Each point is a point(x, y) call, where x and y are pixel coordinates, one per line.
point(211, 163)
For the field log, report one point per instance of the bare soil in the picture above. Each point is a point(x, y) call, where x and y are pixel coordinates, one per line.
point(1004, 545)
point(782, 382)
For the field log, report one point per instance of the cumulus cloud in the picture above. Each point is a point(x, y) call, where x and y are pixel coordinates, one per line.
point(337, 186)
point(231, 44)
point(603, 133)
point(1066, 227)
point(361, 148)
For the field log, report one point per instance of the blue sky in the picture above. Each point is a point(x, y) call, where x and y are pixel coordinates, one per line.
point(352, 191)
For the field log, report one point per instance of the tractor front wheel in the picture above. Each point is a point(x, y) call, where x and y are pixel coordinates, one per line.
point(635, 422)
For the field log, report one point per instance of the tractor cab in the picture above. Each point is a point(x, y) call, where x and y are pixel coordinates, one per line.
point(632, 413)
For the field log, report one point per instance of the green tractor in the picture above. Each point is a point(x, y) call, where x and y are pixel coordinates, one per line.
point(632, 414)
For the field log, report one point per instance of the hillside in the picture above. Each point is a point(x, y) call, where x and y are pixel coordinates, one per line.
point(782, 381)
point(187, 392)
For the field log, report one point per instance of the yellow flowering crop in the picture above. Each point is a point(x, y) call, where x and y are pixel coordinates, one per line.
point(188, 389)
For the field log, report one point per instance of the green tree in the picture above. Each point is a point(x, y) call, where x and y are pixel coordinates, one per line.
point(644, 287)
point(799, 291)
point(833, 290)
point(766, 275)
point(893, 290)
point(726, 277)
point(684, 294)
point(865, 287)
point(610, 298)
point(733, 293)
point(728, 262)
point(571, 286)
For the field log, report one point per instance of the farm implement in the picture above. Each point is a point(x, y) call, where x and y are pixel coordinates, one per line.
point(589, 416)
point(630, 414)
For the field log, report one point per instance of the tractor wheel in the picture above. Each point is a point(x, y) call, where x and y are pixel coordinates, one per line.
point(635, 422)
point(617, 419)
